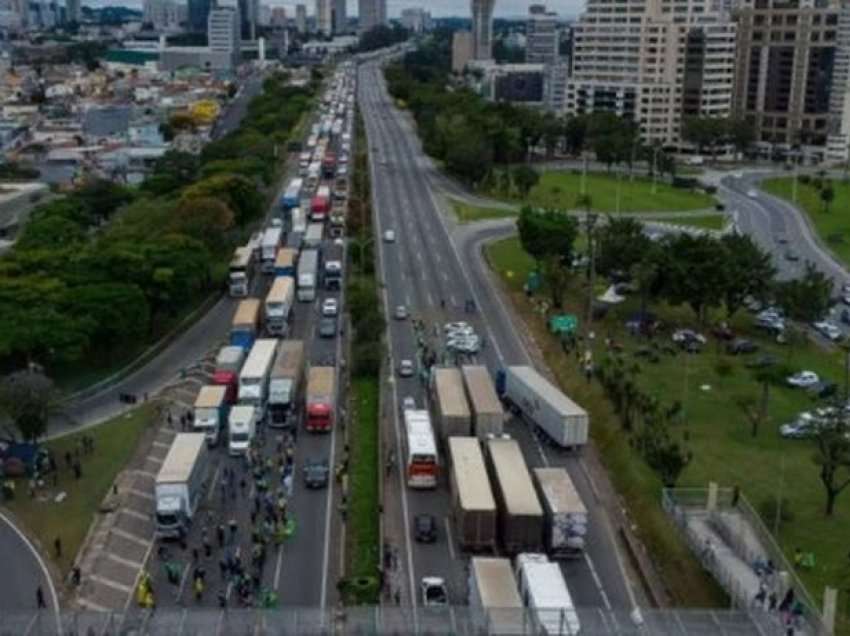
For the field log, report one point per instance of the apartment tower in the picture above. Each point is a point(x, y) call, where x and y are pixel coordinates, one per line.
point(324, 17)
point(482, 29)
point(301, 18)
point(541, 36)
point(372, 13)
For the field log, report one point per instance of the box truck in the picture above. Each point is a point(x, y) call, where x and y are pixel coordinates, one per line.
point(488, 417)
point(565, 516)
point(308, 271)
point(272, 239)
point(284, 264)
point(520, 517)
point(278, 305)
point(285, 384)
point(228, 364)
point(254, 377)
point(473, 506)
point(450, 405)
point(542, 404)
point(181, 484)
point(211, 409)
point(544, 591)
point(320, 399)
point(239, 272)
point(292, 195)
point(494, 602)
point(246, 323)
point(313, 238)
point(241, 429)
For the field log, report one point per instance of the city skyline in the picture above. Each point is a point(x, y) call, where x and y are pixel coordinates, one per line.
point(438, 8)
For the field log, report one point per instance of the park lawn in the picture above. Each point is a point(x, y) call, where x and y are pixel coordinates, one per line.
point(833, 227)
point(469, 213)
point(364, 533)
point(115, 443)
point(562, 190)
point(718, 434)
point(702, 221)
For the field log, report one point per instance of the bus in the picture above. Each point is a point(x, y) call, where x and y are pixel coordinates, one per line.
point(292, 194)
point(239, 272)
point(421, 465)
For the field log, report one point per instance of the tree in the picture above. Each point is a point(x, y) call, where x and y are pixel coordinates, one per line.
point(807, 298)
point(525, 178)
point(832, 457)
point(203, 217)
point(117, 314)
point(704, 132)
point(28, 398)
point(827, 194)
point(469, 154)
point(742, 134)
point(749, 270)
point(575, 133)
point(547, 233)
point(182, 120)
point(237, 192)
point(555, 274)
point(694, 271)
point(621, 244)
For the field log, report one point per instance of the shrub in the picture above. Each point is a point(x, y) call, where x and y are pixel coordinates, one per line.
point(767, 511)
point(724, 368)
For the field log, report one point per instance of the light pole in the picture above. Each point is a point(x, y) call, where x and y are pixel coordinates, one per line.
point(654, 168)
point(583, 185)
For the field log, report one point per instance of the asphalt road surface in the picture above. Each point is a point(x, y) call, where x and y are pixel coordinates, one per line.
point(423, 270)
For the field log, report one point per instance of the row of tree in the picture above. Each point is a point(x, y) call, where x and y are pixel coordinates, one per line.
point(106, 268)
point(382, 36)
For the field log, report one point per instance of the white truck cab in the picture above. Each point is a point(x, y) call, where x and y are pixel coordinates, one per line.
point(242, 427)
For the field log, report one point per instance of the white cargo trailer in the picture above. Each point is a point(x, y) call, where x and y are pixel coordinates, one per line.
point(494, 599)
point(544, 591)
point(488, 417)
point(565, 515)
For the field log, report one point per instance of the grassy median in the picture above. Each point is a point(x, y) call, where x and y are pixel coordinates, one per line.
point(710, 387)
point(115, 441)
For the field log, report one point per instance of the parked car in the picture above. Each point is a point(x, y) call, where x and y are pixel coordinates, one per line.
point(425, 528)
point(803, 379)
point(741, 345)
point(823, 389)
point(316, 473)
point(828, 330)
point(753, 194)
point(687, 335)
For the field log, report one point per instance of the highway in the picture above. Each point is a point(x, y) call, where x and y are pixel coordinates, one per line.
point(422, 269)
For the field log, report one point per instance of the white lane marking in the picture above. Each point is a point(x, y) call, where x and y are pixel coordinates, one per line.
point(54, 599)
point(429, 298)
point(184, 578)
point(136, 514)
point(213, 483)
point(277, 567)
point(597, 581)
point(129, 536)
point(139, 493)
point(115, 585)
point(450, 539)
point(134, 565)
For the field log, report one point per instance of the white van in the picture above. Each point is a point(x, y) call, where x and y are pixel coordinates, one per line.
point(242, 427)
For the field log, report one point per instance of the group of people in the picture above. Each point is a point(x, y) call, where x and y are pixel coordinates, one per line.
point(790, 608)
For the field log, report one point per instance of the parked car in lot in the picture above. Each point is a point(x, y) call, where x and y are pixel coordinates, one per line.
point(828, 330)
point(425, 528)
point(803, 379)
point(741, 345)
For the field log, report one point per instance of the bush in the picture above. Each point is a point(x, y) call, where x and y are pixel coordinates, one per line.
point(724, 368)
point(767, 511)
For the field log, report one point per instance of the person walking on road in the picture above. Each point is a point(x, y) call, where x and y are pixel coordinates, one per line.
point(39, 598)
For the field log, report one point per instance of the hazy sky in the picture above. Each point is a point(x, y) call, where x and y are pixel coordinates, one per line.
point(565, 8)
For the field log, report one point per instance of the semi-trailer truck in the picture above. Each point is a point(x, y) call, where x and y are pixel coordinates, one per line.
point(473, 504)
point(494, 599)
point(228, 363)
point(313, 238)
point(308, 269)
point(520, 517)
point(488, 417)
point(565, 515)
point(320, 399)
point(320, 205)
point(246, 323)
point(254, 378)
point(211, 410)
point(544, 592)
point(285, 384)
point(181, 484)
point(241, 429)
point(451, 408)
point(284, 264)
point(279, 305)
point(240, 271)
point(272, 239)
point(542, 404)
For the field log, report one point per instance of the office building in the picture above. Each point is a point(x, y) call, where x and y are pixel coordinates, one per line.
point(791, 72)
point(371, 14)
point(223, 34)
point(72, 10)
point(416, 20)
point(461, 50)
point(482, 29)
point(555, 79)
point(301, 18)
point(324, 17)
point(541, 36)
point(278, 17)
point(199, 13)
point(163, 15)
point(249, 15)
point(340, 17)
point(654, 61)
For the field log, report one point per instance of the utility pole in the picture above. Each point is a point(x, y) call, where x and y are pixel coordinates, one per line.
point(583, 186)
point(654, 168)
point(590, 220)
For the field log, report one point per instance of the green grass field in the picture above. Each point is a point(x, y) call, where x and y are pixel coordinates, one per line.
point(833, 226)
point(363, 525)
point(562, 190)
point(115, 443)
point(708, 385)
point(469, 213)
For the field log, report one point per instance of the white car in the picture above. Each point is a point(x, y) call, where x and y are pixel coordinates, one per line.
point(389, 236)
point(408, 404)
point(464, 344)
point(753, 194)
point(688, 335)
point(434, 592)
point(405, 368)
point(828, 330)
point(400, 312)
point(330, 307)
point(803, 379)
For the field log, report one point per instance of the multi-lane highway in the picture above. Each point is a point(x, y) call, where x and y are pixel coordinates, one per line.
point(423, 271)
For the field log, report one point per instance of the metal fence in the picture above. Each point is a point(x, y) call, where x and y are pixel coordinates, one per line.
point(357, 621)
point(750, 541)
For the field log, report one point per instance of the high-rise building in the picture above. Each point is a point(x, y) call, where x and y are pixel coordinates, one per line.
point(838, 140)
point(461, 50)
point(415, 20)
point(482, 29)
point(249, 15)
point(161, 14)
point(72, 10)
point(340, 16)
point(788, 61)
point(654, 61)
point(224, 34)
point(541, 36)
point(301, 18)
point(278, 17)
point(324, 17)
point(199, 13)
point(372, 13)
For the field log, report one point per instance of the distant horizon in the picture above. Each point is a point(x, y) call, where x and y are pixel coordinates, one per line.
point(439, 8)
